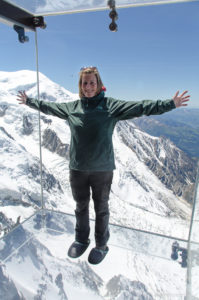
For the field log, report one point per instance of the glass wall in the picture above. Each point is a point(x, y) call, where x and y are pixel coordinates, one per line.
point(152, 195)
point(20, 188)
point(154, 181)
point(193, 250)
point(156, 164)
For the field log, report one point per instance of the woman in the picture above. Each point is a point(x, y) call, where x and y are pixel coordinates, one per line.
point(92, 120)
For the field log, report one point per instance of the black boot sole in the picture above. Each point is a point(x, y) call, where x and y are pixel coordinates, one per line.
point(77, 249)
point(97, 255)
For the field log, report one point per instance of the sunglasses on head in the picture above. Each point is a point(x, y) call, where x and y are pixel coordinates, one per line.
point(91, 67)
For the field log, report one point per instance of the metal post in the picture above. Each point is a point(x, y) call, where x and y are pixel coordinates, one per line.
point(189, 250)
point(38, 97)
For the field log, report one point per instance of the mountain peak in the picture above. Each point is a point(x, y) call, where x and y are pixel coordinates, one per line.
point(26, 80)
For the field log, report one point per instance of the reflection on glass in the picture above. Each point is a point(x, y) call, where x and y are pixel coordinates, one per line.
point(59, 6)
point(55, 140)
point(193, 271)
point(193, 250)
point(153, 182)
point(20, 190)
point(137, 264)
point(195, 216)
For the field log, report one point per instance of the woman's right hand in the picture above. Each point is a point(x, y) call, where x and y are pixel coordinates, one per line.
point(22, 97)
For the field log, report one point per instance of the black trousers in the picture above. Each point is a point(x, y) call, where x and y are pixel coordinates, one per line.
point(82, 183)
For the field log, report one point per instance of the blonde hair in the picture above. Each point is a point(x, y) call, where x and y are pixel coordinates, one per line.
point(90, 70)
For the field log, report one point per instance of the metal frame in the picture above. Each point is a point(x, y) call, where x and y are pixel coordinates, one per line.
point(118, 6)
point(64, 12)
point(11, 14)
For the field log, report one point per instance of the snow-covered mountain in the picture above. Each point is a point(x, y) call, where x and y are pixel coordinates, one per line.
point(150, 183)
point(149, 192)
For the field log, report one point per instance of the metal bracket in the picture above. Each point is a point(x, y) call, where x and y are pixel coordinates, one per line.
point(35, 22)
point(113, 15)
point(21, 34)
point(39, 22)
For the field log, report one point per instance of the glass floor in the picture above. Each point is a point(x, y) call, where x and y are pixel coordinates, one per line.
point(35, 265)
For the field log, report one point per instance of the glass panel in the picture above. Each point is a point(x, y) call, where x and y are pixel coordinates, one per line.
point(146, 268)
point(20, 191)
point(193, 270)
point(154, 181)
point(59, 6)
point(137, 264)
point(195, 225)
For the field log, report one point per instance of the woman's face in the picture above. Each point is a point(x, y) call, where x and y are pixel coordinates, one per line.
point(89, 85)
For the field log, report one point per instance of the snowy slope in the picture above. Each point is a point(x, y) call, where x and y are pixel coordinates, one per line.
point(138, 198)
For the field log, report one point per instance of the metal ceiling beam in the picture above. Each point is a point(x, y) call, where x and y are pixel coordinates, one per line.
point(11, 14)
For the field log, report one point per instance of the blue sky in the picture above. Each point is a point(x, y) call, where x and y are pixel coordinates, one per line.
point(154, 53)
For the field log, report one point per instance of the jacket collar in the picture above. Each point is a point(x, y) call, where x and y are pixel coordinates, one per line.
point(98, 97)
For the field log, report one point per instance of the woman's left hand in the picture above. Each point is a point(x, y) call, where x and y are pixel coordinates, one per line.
point(180, 100)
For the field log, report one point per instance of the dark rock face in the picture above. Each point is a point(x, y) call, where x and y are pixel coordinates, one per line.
point(52, 142)
point(60, 285)
point(176, 170)
point(3, 108)
point(49, 181)
point(90, 279)
point(180, 126)
point(27, 125)
point(6, 224)
point(127, 289)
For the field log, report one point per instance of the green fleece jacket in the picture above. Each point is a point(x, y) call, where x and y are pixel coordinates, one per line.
point(92, 121)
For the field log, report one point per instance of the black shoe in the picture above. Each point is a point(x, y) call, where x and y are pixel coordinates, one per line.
point(77, 249)
point(97, 255)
